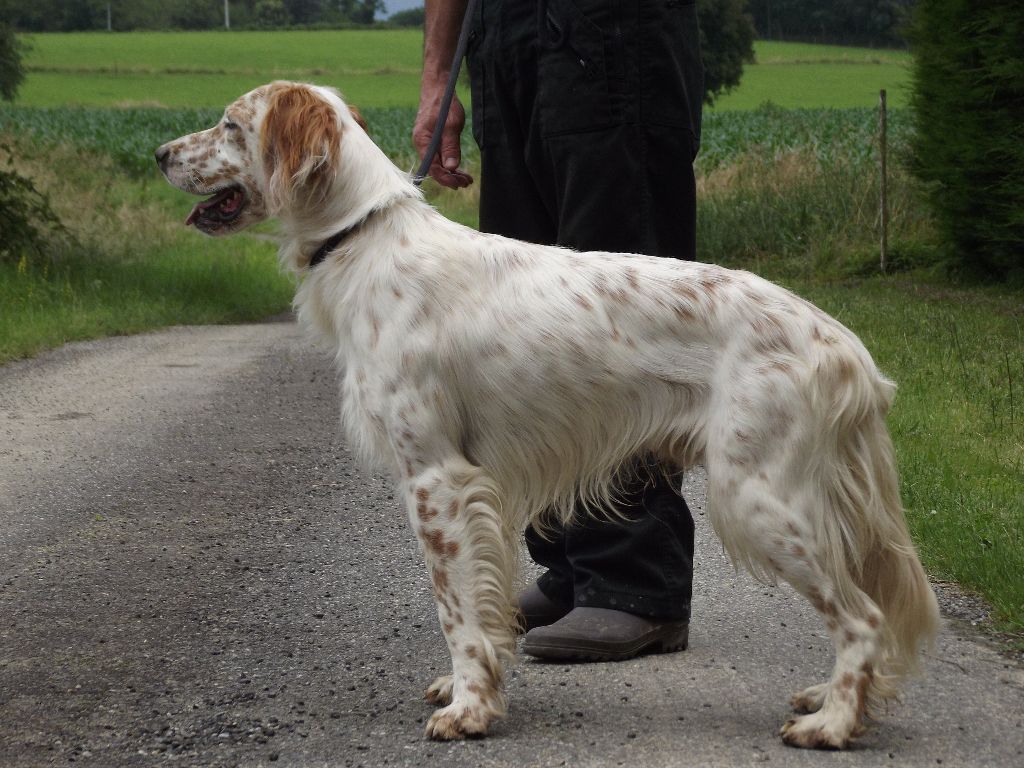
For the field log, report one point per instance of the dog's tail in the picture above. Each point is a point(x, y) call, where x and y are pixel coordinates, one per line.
point(863, 529)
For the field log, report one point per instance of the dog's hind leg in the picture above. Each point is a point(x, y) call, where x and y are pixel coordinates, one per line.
point(470, 555)
point(763, 523)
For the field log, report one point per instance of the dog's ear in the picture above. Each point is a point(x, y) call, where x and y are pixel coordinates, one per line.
point(300, 141)
point(358, 117)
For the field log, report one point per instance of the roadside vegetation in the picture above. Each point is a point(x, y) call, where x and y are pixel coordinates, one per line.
point(789, 193)
point(126, 264)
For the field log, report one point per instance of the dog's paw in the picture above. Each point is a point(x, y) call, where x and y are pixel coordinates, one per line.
point(810, 699)
point(440, 691)
point(816, 731)
point(458, 721)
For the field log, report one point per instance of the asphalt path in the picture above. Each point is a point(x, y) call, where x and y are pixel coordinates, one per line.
point(194, 571)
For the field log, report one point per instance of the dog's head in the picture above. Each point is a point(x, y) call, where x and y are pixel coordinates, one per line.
point(276, 148)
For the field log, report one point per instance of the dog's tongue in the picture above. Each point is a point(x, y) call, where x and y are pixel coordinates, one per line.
point(216, 200)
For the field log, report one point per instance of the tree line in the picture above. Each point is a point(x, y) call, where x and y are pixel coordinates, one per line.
point(842, 22)
point(861, 22)
point(126, 15)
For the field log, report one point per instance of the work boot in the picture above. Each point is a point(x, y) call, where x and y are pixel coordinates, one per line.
point(537, 609)
point(601, 634)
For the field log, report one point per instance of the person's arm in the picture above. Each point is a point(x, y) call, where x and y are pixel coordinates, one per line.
point(441, 27)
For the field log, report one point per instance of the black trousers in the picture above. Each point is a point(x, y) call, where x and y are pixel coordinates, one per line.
point(587, 114)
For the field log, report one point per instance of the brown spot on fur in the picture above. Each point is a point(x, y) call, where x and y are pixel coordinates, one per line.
point(844, 370)
point(583, 301)
point(358, 117)
point(851, 637)
point(471, 651)
point(874, 621)
point(452, 548)
point(434, 539)
point(799, 551)
point(448, 628)
point(422, 494)
point(425, 513)
point(686, 291)
point(375, 335)
point(494, 349)
point(440, 578)
point(453, 509)
point(683, 313)
point(847, 680)
point(862, 689)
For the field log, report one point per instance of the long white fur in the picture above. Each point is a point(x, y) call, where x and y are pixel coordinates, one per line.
point(498, 380)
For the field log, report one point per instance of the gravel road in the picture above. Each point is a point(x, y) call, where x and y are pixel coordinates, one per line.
point(194, 572)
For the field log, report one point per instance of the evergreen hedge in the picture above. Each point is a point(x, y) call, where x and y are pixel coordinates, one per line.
point(968, 148)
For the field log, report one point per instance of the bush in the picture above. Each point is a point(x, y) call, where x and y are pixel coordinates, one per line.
point(726, 42)
point(968, 104)
point(26, 218)
point(27, 222)
point(12, 73)
point(270, 14)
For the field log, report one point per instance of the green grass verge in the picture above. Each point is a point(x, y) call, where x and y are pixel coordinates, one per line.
point(91, 294)
point(957, 355)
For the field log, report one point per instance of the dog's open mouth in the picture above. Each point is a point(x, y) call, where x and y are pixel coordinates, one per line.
point(221, 208)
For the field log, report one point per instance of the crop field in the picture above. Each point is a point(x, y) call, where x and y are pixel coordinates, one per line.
point(378, 69)
point(130, 135)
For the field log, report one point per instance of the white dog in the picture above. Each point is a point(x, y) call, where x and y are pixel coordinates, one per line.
point(498, 380)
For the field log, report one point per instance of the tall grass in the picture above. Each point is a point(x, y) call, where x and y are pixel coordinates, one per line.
point(132, 265)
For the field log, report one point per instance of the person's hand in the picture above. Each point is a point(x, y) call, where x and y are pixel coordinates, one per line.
point(444, 168)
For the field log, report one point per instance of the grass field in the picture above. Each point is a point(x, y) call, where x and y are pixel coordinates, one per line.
point(379, 69)
point(788, 192)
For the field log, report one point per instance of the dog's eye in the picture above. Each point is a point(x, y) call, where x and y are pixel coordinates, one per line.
point(231, 126)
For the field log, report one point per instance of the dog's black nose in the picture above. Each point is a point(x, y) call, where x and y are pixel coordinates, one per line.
point(161, 154)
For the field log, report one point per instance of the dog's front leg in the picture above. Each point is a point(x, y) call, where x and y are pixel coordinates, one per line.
point(470, 555)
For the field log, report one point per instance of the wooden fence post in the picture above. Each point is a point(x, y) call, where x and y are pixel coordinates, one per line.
point(883, 203)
